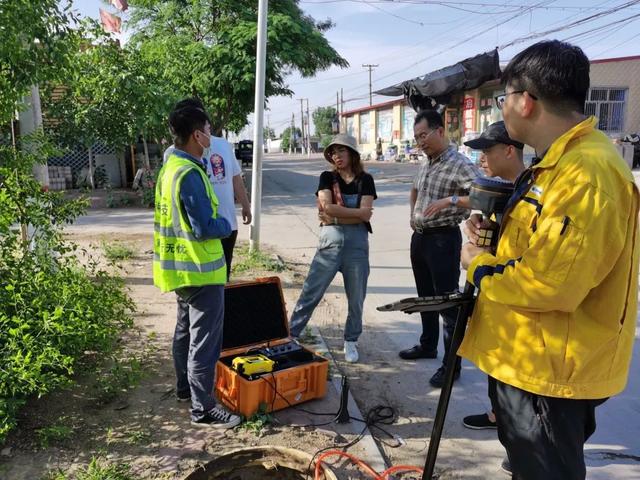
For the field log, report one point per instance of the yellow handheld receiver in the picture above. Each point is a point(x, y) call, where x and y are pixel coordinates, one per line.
point(252, 364)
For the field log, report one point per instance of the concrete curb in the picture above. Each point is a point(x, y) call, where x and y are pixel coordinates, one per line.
point(374, 456)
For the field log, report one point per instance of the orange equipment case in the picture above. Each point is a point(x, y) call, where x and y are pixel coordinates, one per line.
point(255, 321)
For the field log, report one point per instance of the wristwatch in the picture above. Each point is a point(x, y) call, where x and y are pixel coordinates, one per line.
point(454, 200)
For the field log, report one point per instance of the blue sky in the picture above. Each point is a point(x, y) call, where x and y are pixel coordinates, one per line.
point(409, 38)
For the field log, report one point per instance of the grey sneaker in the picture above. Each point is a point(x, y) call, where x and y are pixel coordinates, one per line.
point(218, 417)
point(351, 352)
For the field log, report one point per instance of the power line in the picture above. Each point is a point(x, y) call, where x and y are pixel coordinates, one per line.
point(590, 18)
point(450, 2)
point(528, 8)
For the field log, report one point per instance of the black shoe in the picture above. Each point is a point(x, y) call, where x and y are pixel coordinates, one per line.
point(479, 422)
point(217, 417)
point(416, 352)
point(183, 396)
point(438, 378)
point(506, 466)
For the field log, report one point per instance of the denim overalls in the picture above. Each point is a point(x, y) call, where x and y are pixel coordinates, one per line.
point(342, 248)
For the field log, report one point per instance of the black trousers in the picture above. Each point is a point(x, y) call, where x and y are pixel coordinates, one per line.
point(435, 260)
point(228, 245)
point(544, 436)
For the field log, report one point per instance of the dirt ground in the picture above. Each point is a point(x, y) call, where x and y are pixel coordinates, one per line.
point(139, 424)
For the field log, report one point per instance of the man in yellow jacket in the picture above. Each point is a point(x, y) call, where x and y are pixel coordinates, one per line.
point(554, 322)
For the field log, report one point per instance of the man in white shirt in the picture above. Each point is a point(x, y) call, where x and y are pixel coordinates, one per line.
point(224, 172)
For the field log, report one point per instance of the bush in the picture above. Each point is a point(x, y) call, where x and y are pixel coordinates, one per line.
point(148, 187)
point(53, 307)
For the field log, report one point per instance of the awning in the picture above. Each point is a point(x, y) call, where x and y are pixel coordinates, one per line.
point(437, 87)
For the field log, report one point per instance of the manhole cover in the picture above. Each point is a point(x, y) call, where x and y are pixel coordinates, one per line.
point(259, 463)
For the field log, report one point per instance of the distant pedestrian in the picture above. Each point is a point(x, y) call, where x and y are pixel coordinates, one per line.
point(436, 239)
point(345, 198)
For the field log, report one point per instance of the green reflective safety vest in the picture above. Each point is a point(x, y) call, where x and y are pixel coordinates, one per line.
point(179, 258)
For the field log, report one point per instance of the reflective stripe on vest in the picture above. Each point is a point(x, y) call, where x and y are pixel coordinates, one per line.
point(190, 266)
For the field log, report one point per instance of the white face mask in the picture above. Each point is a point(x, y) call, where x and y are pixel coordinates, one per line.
point(205, 150)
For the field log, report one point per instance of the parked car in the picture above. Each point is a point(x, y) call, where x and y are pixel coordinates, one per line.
point(244, 151)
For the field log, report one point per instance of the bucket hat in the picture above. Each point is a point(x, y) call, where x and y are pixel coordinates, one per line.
point(341, 139)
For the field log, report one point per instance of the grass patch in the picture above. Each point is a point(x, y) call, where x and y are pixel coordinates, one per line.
point(308, 337)
point(54, 433)
point(118, 251)
point(96, 470)
point(121, 372)
point(244, 261)
point(138, 437)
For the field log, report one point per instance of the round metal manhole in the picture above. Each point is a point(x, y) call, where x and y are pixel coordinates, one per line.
point(259, 463)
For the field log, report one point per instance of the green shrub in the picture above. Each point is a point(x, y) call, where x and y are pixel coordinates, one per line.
point(53, 307)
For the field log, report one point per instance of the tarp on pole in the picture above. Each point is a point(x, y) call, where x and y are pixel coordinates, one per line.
point(437, 87)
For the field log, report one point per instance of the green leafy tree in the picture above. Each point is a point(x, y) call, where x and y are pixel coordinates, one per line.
point(322, 119)
point(207, 48)
point(111, 94)
point(288, 141)
point(37, 42)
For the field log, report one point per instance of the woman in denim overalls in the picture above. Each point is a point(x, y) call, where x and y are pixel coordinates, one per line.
point(345, 203)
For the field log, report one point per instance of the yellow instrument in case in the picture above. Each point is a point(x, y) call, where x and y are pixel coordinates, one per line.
point(252, 364)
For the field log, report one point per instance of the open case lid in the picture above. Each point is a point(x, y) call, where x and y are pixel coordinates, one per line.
point(254, 313)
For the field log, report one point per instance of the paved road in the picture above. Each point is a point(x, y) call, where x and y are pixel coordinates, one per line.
point(289, 224)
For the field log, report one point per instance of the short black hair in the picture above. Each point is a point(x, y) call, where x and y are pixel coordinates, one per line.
point(433, 118)
point(555, 72)
point(190, 102)
point(184, 120)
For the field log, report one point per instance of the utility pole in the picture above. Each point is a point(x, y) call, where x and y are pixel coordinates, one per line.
point(370, 67)
point(308, 131)
point(258, 134)
point(292, 132)
point(302, 144)
point(341, 102)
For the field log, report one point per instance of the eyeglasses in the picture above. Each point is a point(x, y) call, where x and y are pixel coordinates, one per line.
point(500, 99)
point(423, 136)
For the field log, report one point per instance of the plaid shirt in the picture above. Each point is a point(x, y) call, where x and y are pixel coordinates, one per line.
point(450, 174)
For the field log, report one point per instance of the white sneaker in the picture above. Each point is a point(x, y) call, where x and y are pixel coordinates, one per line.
point(351, 352)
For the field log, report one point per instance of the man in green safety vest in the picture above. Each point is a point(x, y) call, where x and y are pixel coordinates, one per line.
point(189, 260)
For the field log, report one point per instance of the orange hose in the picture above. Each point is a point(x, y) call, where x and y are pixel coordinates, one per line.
point(397, 468)
point(363, 465)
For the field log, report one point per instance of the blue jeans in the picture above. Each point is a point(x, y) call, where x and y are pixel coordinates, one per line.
point(345, 249)
point(435, 260)
point(197, 341)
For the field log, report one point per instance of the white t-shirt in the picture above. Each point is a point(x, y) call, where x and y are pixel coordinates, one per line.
point(221, 164)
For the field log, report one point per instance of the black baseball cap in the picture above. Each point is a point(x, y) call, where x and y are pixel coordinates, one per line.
point(494, 134)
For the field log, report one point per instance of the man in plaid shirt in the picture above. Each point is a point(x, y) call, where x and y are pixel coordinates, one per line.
point(439, 204)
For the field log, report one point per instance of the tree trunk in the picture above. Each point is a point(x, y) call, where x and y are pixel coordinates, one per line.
point(147, 163)
point(91, 181)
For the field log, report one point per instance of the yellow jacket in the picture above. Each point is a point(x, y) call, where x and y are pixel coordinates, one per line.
point(556, 311)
